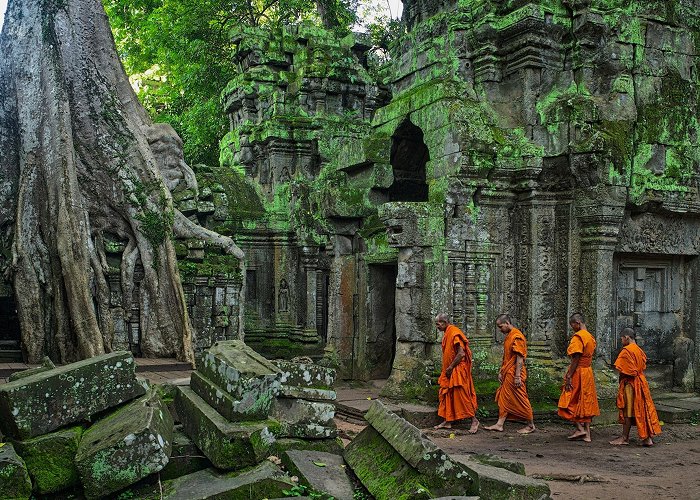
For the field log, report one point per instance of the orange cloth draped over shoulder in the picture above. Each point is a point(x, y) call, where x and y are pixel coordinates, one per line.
point(457, 395)
point(513, 401)
point(631, 363)
point(580, 404)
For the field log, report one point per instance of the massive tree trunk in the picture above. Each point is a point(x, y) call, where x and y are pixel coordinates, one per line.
point(75, 164)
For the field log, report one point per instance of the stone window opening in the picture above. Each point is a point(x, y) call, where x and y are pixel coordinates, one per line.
point(409, 156)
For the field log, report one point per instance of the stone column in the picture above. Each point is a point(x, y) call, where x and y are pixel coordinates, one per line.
point(599, 213)
point(309, 261)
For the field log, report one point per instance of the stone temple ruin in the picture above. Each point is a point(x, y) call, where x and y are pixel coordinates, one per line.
point(535, 158)
point(246, 428)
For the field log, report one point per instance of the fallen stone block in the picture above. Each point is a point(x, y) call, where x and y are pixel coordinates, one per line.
point(308, 393)
point(420, 452)
point(493, 461)
point(384, 472)
point(497, 483)
point(322, 472)
point(252, 405)
point(126, 446)
point(46, 401)
point(331, 445)
point(14, 478)
point(50, 459)
point(185, 457)
point(46, 365)
point(235, 369)
point(306, 375)
point(264, 481)
point(227, 444)
point(304, 419)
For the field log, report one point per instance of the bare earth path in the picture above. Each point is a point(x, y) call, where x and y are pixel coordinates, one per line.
point(668, 470)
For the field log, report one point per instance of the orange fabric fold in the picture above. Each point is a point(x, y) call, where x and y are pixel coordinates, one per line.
point(457, 395)
point(580, 404)
point(631, 363)
point(513, 402)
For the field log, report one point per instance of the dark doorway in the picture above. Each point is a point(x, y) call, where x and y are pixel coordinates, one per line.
point(322, 287)
point(381, 331)
point(409, 155)
point(9, 331)
point(649, 298)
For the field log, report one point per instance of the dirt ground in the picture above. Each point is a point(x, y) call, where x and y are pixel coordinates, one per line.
point(668, 470)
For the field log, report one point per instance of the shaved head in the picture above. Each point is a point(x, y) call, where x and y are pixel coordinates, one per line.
point(442, 317)
point(576, 318)
point(503, 318)
point(628, 332)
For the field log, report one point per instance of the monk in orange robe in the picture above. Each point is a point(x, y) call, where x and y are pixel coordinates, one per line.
point(579, 401)
point(457, 395)
point(633, 396)
point(511, 396)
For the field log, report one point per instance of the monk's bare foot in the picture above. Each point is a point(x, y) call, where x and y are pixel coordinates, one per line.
point(578, 435)
point(474, 427)
point(587, 438)
point(648, 442)
point(444, 425)
point(527, 429)
point(494, 427)
point(619, 441)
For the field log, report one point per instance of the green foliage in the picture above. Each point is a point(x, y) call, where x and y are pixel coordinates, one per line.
point(299, 490)
point(178, 54)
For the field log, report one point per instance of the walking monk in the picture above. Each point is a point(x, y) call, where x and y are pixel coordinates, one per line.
point(633, 396)
point(579, 401)
point(457, 395)
point(511, 396)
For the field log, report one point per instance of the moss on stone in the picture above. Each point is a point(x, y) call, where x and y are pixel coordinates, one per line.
point(50, 459)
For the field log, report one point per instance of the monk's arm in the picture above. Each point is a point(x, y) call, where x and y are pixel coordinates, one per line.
point(575, 358)
point(458, 358)
point(519, 360)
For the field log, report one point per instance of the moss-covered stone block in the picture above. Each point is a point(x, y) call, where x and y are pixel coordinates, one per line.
point(14, 478)
point(263, 481)
point(229, 446)
point(420, 452)
point(304, 419)
point(46, 401)
point(385, 474)
point(126, 446)
point(249, 379)
point(333, 445)
point(305, 375)
point(50, 459)
point(252, 405)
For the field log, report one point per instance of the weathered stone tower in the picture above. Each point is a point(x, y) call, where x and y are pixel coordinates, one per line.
point(537, 158)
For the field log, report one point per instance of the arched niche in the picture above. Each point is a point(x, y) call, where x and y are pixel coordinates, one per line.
point(409, 155)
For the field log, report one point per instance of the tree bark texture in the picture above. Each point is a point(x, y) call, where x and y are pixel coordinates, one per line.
point(75, 165)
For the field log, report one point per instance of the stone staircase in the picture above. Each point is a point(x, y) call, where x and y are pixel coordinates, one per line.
point(10, 351)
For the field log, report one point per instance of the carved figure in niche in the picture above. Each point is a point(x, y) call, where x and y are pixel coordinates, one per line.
point(283, 297)
point(284, 176)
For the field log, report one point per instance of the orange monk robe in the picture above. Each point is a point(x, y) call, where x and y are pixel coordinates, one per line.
point(631, 363)
point(513, 401)
point(457, 395)
point(581, 403)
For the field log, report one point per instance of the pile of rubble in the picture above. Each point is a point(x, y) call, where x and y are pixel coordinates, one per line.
point(250, 428)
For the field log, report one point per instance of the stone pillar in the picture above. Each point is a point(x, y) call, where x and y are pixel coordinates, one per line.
point(599, 213)
point(309, 261)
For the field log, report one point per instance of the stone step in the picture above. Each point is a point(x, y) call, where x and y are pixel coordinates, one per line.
point(674, 415)
point(9, 356)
